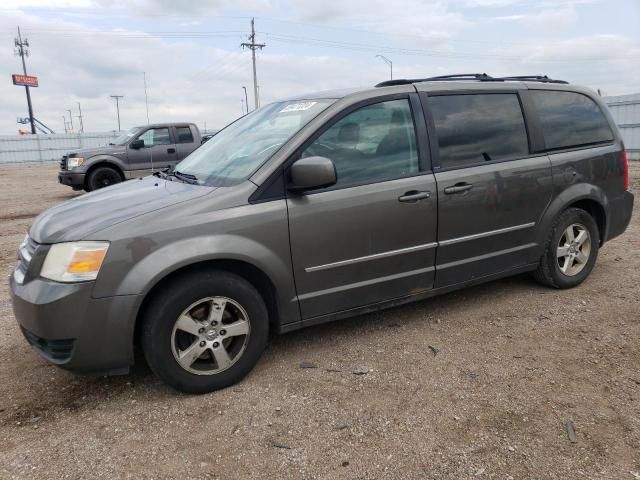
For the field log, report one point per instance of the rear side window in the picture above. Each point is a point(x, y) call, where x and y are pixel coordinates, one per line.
point(184, 135)
point(570, 119)
point(477, 128)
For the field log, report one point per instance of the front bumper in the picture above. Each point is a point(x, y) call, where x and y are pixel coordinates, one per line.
point(71, 178)
point(69, 328)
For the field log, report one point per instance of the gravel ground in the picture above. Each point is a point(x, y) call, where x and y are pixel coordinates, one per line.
point(476, 384)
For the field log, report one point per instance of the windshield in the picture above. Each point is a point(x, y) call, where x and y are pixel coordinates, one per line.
point(124, 138)
point(238, 150)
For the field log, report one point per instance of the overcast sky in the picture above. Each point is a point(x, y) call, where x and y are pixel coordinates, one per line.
point(85, 50)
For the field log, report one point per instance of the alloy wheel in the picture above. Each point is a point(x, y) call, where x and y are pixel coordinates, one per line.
point(574, 249)
point(210, 335)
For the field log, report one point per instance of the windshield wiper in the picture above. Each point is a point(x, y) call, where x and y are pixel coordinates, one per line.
point(185, 177)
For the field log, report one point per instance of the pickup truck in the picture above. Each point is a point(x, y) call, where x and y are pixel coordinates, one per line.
point(136, 153)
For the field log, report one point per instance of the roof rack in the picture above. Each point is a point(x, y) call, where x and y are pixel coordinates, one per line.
point(481, 77)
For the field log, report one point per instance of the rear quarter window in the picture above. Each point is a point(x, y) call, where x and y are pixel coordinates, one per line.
point(570, 119)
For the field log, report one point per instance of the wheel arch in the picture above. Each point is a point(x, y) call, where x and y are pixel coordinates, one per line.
point(584, 196)
point(104, 162)
point(254, 275)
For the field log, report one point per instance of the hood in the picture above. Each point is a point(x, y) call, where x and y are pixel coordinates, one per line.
point(106, 149)
point(75, 219)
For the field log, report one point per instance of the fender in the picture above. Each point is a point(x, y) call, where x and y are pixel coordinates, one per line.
point(568, 196)
point(104, 158)
point(152, 268)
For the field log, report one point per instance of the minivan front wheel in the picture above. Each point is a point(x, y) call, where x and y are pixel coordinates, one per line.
point(204, 331)
point(571, 250)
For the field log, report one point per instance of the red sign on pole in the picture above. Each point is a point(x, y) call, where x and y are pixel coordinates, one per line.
point(25, 80)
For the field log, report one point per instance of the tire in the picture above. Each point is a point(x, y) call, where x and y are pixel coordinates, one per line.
point(566, 263)
point(101, 177)
point(184, 335)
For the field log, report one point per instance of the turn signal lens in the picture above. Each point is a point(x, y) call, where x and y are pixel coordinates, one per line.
point(74, 261)
point(85, 261)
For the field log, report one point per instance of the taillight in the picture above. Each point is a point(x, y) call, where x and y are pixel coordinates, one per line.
point(625, 169)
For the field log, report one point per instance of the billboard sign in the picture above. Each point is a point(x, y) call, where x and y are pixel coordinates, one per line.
point(25, 80)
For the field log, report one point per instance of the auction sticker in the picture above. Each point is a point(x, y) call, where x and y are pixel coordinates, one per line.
point(297, 107)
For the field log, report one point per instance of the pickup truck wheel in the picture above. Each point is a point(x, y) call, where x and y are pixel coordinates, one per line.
point(101, 177)
point(571, 250)
point(205, 331)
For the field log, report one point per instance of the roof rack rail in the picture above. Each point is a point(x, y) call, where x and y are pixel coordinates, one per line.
point(482, 77)
point(533, 78)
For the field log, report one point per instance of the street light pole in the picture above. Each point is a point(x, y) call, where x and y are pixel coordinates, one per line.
point(388, 62)
point(117, 98)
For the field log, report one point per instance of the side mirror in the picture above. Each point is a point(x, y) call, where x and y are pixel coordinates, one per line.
point(137, 144)
point(311, 173)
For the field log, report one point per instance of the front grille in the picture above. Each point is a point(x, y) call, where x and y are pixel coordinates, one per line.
point(58, 350)
point(25, 253)
point(63, 162)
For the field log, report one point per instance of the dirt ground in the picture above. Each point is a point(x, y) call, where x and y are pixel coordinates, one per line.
point(476, 384)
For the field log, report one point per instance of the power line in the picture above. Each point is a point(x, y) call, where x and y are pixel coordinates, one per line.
point(253, 46)
point(342, 45)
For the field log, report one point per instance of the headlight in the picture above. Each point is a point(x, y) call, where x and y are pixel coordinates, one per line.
point(74, 261)
point(74, 162)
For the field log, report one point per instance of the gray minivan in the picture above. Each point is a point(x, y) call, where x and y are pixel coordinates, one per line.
point(319, 208)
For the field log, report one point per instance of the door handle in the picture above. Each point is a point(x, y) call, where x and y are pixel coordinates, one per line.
point(413, 196)
point(171, 150)
point(458, 188)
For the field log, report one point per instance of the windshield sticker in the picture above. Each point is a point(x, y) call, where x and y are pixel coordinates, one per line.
point(297, 107)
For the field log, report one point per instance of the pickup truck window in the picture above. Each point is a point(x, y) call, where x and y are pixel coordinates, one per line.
point(124, 138)
point(184, 135)
point(235, 152)
point(156, 136)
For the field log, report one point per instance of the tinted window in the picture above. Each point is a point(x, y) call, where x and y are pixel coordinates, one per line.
point(570, 119)
point(476, 128)
point(184, 135)
point(373, 143)
point(156, 136)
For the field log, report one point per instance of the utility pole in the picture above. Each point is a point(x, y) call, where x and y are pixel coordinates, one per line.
point(388, 62)
point(64, 122)
point(80, 118)
point(246, 99)
point(22, 51)
point(251, 44)
point(146, 99)
point(117, 98)
point(70, 119)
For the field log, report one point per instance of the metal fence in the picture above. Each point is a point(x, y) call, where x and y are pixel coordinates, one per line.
point(626, 113)
point(43, 148)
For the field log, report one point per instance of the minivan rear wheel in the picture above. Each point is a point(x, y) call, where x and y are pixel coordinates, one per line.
point(571, 250)
point(204, 331)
